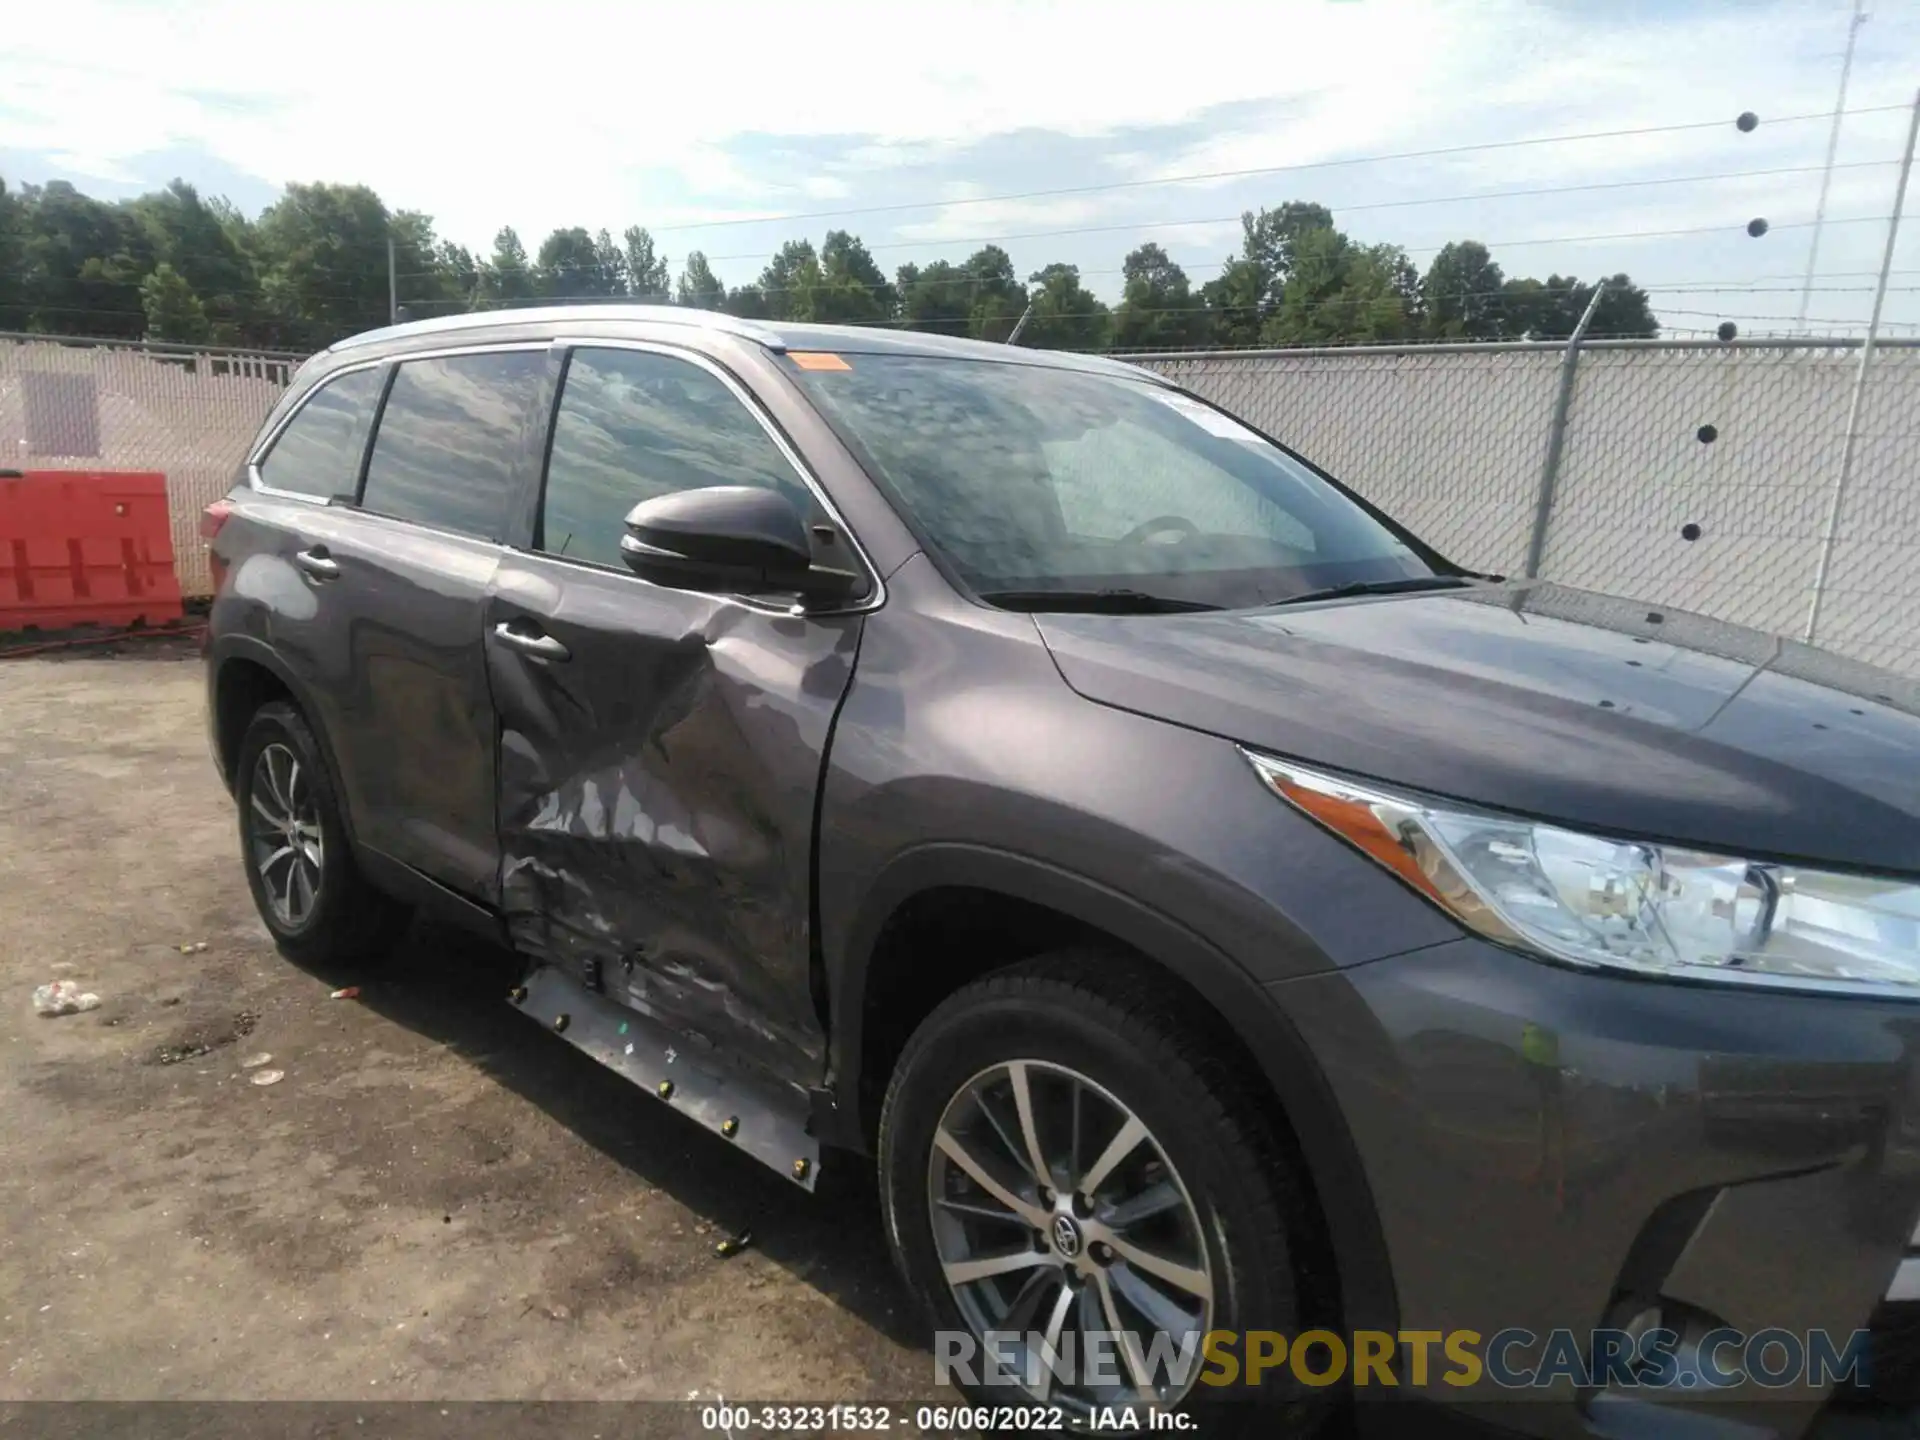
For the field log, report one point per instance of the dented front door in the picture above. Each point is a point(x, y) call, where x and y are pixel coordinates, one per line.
point(657, 797)
point(660, 750)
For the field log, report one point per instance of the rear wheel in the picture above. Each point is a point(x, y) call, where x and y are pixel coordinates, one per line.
point(1066, 1161)
point(309, 893)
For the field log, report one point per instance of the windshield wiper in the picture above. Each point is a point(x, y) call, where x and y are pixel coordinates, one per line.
point(1378, 587)
point(1094, 602)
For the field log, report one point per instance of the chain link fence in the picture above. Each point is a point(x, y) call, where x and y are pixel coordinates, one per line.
point(1694, 475)
point(92, 405)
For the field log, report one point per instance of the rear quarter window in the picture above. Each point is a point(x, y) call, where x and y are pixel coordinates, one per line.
point(318, 452)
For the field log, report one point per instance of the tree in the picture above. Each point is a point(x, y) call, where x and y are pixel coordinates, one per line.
point(325, 253)
point(12, 313)
point(853, 289)
point(996, 297)
point(1528, 310)
point(1318, 262)
point(1243, 304)
point(749, 302)
point(1382, 294)
point(243, 233)
point(313, 268)
point(1341, 293)
point(1158, 310)
point(173, 311)
point(790, 282)
point(571, 266)
point(457, 276)
point(699, 287)
point(611, 260)
point(1269, 237)
point(428, 273)
point(206, 253)
point(647, 272)
point(1623, 310)
point(1066, 316)
point(1550, 311)
point(1237, 302)
point(506, 277)
point(80, 263)
point(1462, 294)
point(938, 298)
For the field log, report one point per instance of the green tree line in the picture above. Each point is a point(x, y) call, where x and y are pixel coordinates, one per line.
point(313, 267)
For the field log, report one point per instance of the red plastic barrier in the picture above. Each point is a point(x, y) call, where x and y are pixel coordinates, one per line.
point(85, 547)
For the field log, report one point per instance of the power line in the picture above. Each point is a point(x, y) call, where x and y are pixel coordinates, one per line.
point(1201, 176)
point(531, 265)
point(1421, 250)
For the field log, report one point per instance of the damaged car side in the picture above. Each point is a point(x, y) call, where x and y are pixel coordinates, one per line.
point(1203, 900)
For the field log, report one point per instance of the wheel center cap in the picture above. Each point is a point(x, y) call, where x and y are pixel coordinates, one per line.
point(1066, 1236)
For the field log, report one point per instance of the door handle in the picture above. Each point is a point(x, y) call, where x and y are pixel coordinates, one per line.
point(317, 563)
point(544, 647)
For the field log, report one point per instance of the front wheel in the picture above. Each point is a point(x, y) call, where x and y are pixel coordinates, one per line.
point(1078, 1191)
point(310, 894)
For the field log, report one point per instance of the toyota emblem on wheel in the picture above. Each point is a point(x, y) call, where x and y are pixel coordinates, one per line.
point(1066, 1236)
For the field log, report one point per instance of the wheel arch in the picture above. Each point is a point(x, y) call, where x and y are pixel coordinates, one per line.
point(246, 674)
point(1067, 907)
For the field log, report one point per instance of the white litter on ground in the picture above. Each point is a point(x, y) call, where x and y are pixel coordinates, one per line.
point(63, 997)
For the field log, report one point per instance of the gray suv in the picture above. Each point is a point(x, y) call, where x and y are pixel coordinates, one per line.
point(1221, 917)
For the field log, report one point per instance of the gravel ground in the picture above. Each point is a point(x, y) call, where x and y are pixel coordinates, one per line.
point(439, 1200)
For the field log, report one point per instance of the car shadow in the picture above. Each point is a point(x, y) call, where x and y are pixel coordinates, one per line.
point(451, 987)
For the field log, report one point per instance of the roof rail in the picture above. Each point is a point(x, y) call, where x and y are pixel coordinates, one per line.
point(546, 314)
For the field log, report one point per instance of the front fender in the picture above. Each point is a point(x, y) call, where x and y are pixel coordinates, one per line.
point(961, 758)
point(1286, 1063)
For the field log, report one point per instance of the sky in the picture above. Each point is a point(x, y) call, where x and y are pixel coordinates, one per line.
point(734, 125)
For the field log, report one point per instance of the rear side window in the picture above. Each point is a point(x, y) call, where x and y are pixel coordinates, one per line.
point(318, 453)
point(448, 440)
point(632, 425)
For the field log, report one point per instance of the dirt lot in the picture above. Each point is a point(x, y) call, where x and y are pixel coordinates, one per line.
point(440, 1200)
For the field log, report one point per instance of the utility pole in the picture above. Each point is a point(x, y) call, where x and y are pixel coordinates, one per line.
point(1025, 315)
point(1833, 145)
point(1852, 442)
point(393, 286)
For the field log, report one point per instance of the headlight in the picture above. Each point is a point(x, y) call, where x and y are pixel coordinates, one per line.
point(1627, 904)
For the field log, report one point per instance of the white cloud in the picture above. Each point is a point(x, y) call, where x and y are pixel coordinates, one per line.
point(825, 187)
point(444, 106)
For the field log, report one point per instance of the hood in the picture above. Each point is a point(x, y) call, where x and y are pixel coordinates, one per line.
point(1596, 713)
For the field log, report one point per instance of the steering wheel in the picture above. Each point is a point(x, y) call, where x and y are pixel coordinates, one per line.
point(1161, 524)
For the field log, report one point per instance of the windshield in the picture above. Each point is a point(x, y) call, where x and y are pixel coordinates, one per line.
point(1027, 480)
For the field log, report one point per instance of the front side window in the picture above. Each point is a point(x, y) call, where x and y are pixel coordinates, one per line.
point(633, 424)
point(318, 453)
point(449, 441)
point(1025, 479)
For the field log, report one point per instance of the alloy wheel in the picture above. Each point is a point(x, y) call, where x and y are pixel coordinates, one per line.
point(286, 843)
point(1057, 1215)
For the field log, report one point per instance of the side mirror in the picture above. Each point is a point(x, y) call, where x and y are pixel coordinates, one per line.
point(726, 538)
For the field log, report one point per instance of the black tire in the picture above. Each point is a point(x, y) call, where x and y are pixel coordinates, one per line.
point(1114, 1022)
point(347, 921)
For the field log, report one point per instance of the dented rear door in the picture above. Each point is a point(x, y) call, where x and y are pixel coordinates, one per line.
point(661, 750)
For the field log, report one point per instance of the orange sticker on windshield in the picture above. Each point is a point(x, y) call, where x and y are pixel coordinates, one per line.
point(817, 360)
